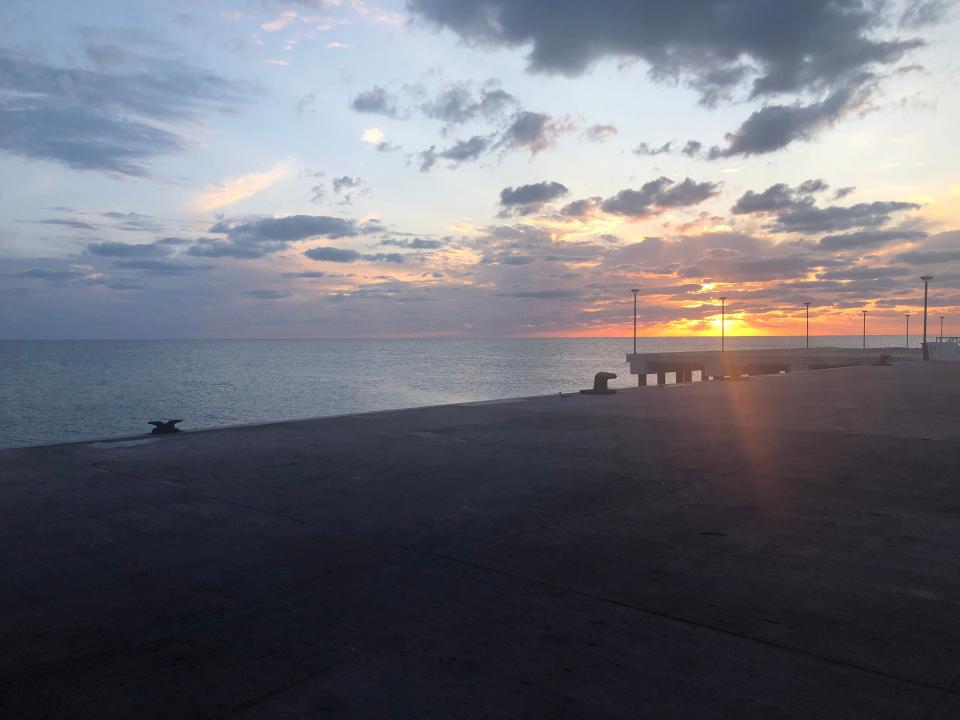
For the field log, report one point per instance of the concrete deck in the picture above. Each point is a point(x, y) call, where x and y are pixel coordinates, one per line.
point(785, 546)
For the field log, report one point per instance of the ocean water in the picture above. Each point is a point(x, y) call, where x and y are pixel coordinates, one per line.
point(62, 391)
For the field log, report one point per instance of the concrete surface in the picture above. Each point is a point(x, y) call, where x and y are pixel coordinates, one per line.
point(784, 546)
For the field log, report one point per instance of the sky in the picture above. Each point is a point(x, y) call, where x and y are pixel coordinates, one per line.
point(476, 168)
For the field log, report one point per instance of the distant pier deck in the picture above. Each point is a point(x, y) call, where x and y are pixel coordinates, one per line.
point(781, 548)
point(716, 364)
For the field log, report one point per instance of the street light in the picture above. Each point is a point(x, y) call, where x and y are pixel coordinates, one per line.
point(941, 328)
point(808, 324)
point(723, 318)
point(926, 286)
point(864, 329)
point(907, 316)
point(635, 291)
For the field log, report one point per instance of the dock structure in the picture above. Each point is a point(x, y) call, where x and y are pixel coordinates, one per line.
point(715, 364)
point(780, 548)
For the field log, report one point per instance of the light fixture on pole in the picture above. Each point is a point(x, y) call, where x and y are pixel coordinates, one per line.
point(808, 324)
point(723, 321)
point(907, 316)
point(864, 329)
point(926, 286)
point(635, 291)
point(941, 328)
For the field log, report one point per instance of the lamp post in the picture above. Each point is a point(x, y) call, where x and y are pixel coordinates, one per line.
point(723, 321)
point(864, 329)
point(808, 324)
point(635, 291)
point(926, 286)
point(941, 328)
point(907, 316)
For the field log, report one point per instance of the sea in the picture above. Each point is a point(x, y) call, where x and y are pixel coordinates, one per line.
point(54, 391)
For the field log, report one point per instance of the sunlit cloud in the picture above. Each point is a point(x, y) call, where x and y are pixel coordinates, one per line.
point(374, 136)
point(239, 188)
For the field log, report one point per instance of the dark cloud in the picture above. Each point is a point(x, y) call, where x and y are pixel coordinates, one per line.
point(783, 48)
point(728, 265)
point(928, 257)
point(256, 238)
point(692, 148)
point(74, 224)
point(265, 294)
point(657, 195)
point(50, 274)
point(645, 149)
point(460, 152)
point(93, 120)
point(376, 101)
point(808, 218)
point(773, 199)
point(600, 133)
point(386, 147)
point(529, 198)
point(773, 127)
point(170, 267)
point(458, 104)
point(867, 238)
point(841, 193)
point(532, 131)
point(556, 294)
point(343, 255)
point(865, 272)
point(129, 250)
point(581, 208)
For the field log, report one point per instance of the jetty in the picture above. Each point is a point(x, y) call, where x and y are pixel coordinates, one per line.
point(719, 365)
point(782, 547)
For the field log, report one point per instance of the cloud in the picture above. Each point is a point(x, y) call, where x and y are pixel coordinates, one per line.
point(93, 120)
point(555, 294)
point(807, 218)
point(256, 238)
point(162, 266)
point(644, 149)
point(374, 136)
point(457, 104)
point(867, 238)
point(928, 257)
point(657, 195)
point(413, 244)
point(265, 294)
point(342, 255)
point(600, 133)
point(773, 127)
point(129, 250)
point(532, 131)
point(239, 188)
point(460, 152)
point(728, 265)
point(74, 224)
point(50, 275)
point(784, 48)
point(526, 199)
point(376, 101)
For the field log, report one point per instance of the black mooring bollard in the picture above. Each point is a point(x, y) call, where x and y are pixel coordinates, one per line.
point(161, 427)
point(600, 384)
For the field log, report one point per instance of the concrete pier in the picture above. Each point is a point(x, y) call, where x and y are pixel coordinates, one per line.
point(736, 363)
point(785, 547)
